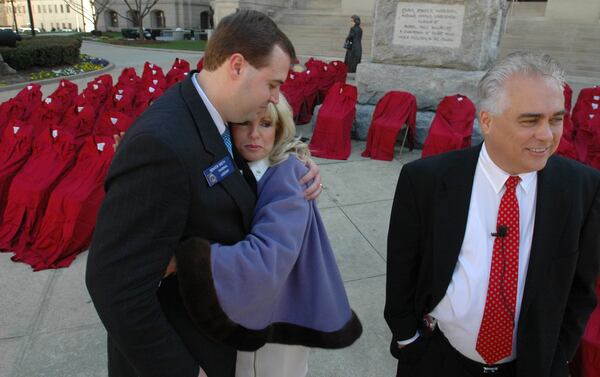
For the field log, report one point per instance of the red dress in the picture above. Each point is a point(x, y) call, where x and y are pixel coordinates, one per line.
point(566, 148)
point(452, 126)
point(15, 149)
point(587, 359)
point(67, 226)
point(393, 111)
point(178, 72)
point(331, 136)
point(52, 157)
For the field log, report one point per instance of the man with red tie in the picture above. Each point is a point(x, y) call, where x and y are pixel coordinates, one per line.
point(493, 251)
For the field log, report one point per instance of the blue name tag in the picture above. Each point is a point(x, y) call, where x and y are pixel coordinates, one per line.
point(219, 171)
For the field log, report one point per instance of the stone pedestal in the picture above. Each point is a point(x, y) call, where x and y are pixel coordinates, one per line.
point(430, 48)
point(459, 34)
point(428, 85)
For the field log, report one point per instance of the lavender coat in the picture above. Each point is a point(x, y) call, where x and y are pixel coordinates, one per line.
point(281, 284)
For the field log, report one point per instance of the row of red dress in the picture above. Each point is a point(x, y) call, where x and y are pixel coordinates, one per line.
point(54, 155)
point(304, 90)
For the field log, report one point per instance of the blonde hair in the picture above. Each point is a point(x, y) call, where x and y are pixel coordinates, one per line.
point(286, 142)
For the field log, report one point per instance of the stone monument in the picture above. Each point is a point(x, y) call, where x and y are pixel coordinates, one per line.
point(430, 48)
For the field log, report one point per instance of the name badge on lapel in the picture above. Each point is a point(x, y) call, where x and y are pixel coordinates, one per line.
point(219, 171)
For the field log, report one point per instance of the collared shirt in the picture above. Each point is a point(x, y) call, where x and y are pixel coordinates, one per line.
point(460, 311)
point(259, 168)
point(216, 117)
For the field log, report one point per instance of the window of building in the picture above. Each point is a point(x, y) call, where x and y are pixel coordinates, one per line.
point(64, 26)
point(44, 8)
point(39, 8)
point(55, 8)
point(70, 26)
point(68, 8)
point(113, 18)
point(61, 9)
point(49, 8)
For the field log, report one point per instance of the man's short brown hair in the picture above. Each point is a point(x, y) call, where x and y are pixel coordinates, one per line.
point(250, 33)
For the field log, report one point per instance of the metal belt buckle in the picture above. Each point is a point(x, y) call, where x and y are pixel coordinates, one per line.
point(490, 370)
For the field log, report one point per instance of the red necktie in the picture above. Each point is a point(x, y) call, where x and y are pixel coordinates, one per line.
point(494, 341)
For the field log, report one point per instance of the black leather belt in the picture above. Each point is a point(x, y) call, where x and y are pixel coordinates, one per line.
point(479, 369)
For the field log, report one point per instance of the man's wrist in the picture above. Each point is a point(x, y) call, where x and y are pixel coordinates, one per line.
point(405, 342)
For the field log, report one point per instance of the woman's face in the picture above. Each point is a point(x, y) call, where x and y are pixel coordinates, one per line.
point(254, 140)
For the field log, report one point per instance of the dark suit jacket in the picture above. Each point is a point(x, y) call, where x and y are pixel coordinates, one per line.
point(427, 227)
point(157, 195)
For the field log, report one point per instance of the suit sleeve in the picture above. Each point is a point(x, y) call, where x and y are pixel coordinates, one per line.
point(403, 258)
point(140, 222)
point(582, 298)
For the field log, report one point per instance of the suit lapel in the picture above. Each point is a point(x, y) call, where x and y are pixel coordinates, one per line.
point(551, 210)
point(451, 210)
point(235, 184)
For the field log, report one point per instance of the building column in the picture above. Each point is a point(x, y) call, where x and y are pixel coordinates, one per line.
point(224, 8)
point(587, 11)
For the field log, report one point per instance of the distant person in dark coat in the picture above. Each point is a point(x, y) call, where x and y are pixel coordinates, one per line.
point(353, 45)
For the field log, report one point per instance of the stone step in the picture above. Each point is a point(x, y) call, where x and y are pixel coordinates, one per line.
point(319, 4)
point(312, 17)
point(323, 41)
point(575, 46)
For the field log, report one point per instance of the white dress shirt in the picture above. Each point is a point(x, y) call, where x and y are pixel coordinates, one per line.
point(259, 168)
point(216, 117)
point(460, 311)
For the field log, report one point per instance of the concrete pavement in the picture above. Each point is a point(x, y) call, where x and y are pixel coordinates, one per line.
point(48, 326)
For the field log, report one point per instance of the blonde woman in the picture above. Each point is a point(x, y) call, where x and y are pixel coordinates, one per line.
point(279, 290)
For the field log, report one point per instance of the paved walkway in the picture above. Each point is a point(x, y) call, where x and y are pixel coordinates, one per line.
point(48, 326)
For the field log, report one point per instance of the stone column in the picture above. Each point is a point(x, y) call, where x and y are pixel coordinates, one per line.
point(223, 8)
point(574, 10)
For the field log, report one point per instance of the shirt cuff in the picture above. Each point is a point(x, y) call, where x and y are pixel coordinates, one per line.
point(405, 342)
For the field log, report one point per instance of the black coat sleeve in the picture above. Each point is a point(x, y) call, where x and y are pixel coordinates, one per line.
point(403, 260)
point(582, 297)
point(140, 222)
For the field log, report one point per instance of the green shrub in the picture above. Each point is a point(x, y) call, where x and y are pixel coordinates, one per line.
point(42, 52)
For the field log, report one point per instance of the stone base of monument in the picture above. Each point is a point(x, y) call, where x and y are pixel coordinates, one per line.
point(428, 85)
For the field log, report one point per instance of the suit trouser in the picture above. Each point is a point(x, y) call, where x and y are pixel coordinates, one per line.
point(216, 363)
point(432, 356)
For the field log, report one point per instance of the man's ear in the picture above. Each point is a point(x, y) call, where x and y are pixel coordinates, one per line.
point(485, 121)
point(236, 63)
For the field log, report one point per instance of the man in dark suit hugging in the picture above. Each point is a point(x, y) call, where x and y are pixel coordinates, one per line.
point(493, 251)
point(175, 176)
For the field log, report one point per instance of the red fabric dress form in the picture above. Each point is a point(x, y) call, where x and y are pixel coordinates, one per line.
point(566, 148)
point(587, 359)
point(52, 157)
point(451, 127)
point(68, 223)
point(585, 110)
point(393, 111)
point(331, 136)
point(178, 72)
point(15, 149)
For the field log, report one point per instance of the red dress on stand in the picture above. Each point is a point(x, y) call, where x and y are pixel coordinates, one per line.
point(393, 111)
point(332, 133)
point(67, 226)
point(15, 149)
point(52, 157)
point(452, 126)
